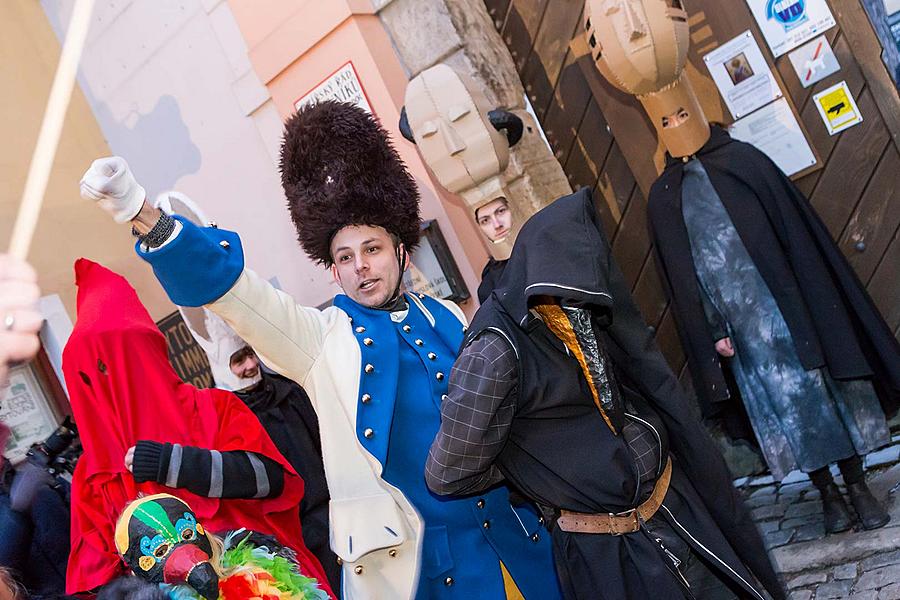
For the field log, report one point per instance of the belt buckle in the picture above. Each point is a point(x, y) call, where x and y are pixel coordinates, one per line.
point(632, 513)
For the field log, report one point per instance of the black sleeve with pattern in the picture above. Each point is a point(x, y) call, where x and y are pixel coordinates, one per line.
point(209, 473)
point(476, 416)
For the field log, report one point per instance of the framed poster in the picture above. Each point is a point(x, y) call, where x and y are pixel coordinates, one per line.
point(25, 408)
point(787, 24)
point(742, 75)
point(343, 85)
point(432, 269)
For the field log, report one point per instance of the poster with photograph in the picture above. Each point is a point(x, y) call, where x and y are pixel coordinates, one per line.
point(787, 24)
point(742, 75)
point(774, 130)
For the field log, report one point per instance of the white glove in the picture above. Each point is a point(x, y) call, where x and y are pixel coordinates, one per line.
point(110, 183)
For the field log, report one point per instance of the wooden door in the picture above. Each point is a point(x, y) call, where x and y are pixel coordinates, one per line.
point(604, 141)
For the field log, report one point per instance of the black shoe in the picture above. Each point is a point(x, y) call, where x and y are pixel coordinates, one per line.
point(871, 514)
point(837, 516)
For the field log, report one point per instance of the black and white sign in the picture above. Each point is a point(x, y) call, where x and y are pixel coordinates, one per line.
point(343, 85)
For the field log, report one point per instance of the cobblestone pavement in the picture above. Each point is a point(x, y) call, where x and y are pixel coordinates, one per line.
point(858, 564)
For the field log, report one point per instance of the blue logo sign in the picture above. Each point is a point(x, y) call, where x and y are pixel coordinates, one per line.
point(789, 13)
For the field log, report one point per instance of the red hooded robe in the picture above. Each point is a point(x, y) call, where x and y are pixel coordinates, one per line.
point(123, 389)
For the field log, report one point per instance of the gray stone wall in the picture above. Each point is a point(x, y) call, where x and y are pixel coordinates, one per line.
point(460, 33)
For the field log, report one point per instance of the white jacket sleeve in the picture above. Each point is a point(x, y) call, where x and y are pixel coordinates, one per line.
point(287, 336)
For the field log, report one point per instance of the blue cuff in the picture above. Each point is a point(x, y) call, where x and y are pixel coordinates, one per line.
point(199, 266)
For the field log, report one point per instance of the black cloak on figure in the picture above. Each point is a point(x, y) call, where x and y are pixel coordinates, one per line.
point(831, 317)
point(561, 454)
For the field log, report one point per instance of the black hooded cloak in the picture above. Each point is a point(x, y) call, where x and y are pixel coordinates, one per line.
point(831, 318)
point(561, 454)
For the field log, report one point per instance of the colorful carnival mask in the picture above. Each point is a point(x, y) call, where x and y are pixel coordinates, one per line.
point(161, 540)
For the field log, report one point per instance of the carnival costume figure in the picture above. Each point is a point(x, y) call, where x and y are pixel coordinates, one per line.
point(560, 390)
point(144, 431)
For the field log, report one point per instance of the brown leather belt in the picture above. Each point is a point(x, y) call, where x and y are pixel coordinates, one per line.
point(618, 524)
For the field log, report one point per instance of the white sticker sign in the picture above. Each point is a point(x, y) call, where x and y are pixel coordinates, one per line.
point(838, 108)
point(343, 85)
point(787, 24)
point(774, 130)
point(742, 75)
point(814, 62)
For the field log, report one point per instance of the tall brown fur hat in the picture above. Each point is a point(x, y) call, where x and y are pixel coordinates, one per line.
point(338, 168)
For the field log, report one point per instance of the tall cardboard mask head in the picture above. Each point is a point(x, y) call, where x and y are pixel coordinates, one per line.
point(463, 142)
point(640, 46)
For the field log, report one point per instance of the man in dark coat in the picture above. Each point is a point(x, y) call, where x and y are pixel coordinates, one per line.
point(753, 273)
point(560, 390)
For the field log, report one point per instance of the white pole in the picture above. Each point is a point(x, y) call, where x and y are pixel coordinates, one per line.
point(51, 129)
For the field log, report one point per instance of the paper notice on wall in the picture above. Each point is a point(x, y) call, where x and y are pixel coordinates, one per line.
point(787, 24)
point(774, 130)
point(742, 75)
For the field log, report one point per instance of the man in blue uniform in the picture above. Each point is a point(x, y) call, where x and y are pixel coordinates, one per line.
point(375, 365)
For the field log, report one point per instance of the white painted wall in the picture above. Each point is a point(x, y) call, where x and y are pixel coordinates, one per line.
point(174, 92)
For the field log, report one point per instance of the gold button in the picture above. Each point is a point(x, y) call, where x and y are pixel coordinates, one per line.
point(339, 560)
point(369, 368)
point(358, 569)
point(224, 243)
point(369, 433)
point(535, 538)
point(407, 328)
point(480, 503)
point(432, 355)
point(419, 342)
point(366, 398)
point(486, 524)
point(367, 341)
point(439, 376)
point(360, 329)
point(448, 582)
point(392, 552)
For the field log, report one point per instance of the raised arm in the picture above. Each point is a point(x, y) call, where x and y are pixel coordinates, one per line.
point(205, 266)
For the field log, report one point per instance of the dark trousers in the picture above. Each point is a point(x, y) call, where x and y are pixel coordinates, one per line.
point(36, 546)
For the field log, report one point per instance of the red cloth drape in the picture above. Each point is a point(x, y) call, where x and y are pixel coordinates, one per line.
point(123, 389)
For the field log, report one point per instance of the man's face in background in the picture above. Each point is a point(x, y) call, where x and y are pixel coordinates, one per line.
point(495, 219)
point(244, 363)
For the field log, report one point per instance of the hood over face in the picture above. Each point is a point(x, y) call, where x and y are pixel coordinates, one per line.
point(558, 253)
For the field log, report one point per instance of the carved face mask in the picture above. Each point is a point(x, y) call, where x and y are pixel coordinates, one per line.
point(459, 137)
point(641, 46)
point(160, 539)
